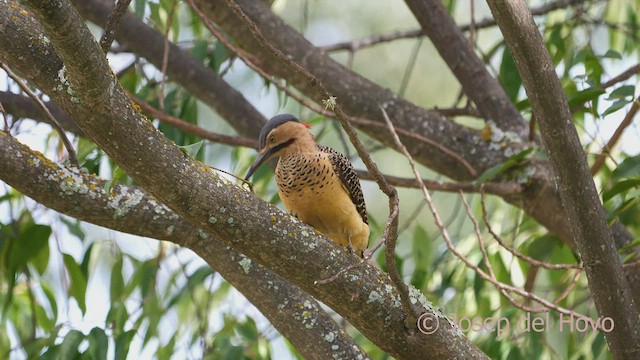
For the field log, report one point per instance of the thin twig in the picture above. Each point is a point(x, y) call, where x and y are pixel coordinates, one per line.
point(500, 189)
point(65, 140)
point(5, 117)
point(365, 258)
point(412, 63)
point(635, 264)
point(622, 77)
point(445, 234)
point(390, 232)
point(468, 110)
point(628, 119)
point(358, 44)
point(193, 129)
point(165, 54)
point(113, 23)
point(251, 62)
point(415, 136)
point(472, 23)
point(515, 252)
point(487, 263)
point(569, 287)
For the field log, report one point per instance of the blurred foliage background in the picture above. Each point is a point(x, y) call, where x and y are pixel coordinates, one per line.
point(73, 290)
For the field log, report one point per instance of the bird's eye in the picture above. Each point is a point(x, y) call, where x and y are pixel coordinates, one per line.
point(272, 139)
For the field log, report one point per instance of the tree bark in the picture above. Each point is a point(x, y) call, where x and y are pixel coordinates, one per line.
point(184, 69)
point(587, 219)
point(295, 314)
point(457, 51)
point(86, 89)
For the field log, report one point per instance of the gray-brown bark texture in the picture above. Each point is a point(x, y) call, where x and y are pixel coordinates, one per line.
point(294, 313)
point(582, 205)
point(92, 97)
point(87, 90)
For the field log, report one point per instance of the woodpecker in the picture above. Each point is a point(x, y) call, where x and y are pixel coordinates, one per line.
point(316, 184)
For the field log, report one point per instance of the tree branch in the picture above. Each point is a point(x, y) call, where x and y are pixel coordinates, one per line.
point(73, 158)
point(109, 33)
point(181, 67)
point(281, 243)
point(355, 45)
point(628, 119)
point(347, 85)
point(24, 107)
point(456, 50)
point(540, 198)
point(131, 210)
point(586, 216)
point(193, 129)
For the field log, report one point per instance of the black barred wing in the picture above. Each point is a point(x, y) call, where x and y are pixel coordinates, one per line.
point(349, 178)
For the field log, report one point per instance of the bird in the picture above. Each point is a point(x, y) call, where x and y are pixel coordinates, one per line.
point(316, 183)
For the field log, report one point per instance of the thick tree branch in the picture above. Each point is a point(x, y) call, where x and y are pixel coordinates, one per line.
point(540, 198)
point(586, 215)
point(131, 210)
point(269, 236)
point(358, 96)
point(181, 67)
point(24, 107)
point(73, 158)
point(457, 51)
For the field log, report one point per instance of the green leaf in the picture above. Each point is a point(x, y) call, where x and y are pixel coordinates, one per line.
point(122, 344)
point(153, 313)
point(421, 249)
point(514, 161)
point(84, 266)
point(45, 322)
point(73, 225)
point(622, 92)
point(34, 349)
point(619, 187)
point(51, 298)
point(615, 107)
point(193, 149)
point(32, 243)
point(139, 7)
point(69, 347)
point(629, 246)
point(248, 330)
point(117, 317)
point(612, 54)
point(167, 351)
point(219, 56)
point(117, 282)
point(78, 281)
point(541, 247)
point(509, 75)
point(628, 168)
point(98, 344)
point(584, 96)
point(118, 172)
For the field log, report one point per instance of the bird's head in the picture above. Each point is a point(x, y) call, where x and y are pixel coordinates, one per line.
point(281, 134)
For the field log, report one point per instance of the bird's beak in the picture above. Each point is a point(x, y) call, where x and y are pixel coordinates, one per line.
point(261, 158)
